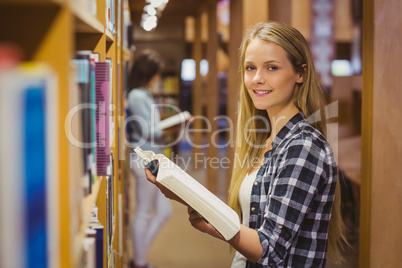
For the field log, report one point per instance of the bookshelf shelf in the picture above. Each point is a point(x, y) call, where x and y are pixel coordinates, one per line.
point(85, 22)
point(87, 203)
point(109, 36)
point(175, 95)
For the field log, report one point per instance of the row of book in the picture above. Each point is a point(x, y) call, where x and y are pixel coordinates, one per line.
point(167, 85)
point(110, 16)
point(29, 155)
point(92, 8)
point(95, 125)
point(127, 35)
point(89, 5)
point(92, 112)
point(167, 104)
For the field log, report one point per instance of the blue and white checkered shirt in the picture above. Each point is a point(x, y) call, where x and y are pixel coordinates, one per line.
point(292, 198)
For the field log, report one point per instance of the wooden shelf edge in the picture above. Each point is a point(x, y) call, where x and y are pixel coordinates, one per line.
point(88, 201)
point(109, 36)
point(127, 55)
point(86, 208)
point(85, 22)
point(164, 95)
point(112, 251)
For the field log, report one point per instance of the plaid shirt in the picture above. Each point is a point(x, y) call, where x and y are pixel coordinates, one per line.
point(292, 198)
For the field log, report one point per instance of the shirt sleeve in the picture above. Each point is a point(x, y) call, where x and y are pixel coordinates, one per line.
point(143, 107)
point(301, 168)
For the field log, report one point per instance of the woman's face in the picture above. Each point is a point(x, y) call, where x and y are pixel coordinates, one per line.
point(269, 77)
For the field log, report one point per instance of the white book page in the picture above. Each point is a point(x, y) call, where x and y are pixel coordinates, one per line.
point(147, 156)
point(174, 120)
point(168, 169)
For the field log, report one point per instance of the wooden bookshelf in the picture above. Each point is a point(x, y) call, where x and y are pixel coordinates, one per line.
point(85, 21)
point(127, 54)
point(109, 36)
point(87, 203)
point(51, 32)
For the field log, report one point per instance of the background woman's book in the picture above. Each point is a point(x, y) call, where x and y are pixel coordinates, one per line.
point(174, 120)
point(224, 219)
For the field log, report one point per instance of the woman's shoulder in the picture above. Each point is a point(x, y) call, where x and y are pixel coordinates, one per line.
point(309, 137)
point(137, 93)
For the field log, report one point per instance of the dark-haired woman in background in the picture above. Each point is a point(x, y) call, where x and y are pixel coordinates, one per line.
point(153, 209)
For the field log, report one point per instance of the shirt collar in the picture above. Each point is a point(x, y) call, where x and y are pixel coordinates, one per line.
point(288, 129)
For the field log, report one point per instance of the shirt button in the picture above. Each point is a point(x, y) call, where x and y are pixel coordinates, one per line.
point(279, 227)
point(255, 183)
point(253, 209)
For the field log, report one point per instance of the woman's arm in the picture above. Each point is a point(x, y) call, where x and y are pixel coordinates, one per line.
point(248, 243)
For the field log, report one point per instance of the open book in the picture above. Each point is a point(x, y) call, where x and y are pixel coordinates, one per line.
point(174, 120)
point(224, 219)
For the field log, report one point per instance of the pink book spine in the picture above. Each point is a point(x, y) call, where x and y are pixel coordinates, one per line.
point(102, 100)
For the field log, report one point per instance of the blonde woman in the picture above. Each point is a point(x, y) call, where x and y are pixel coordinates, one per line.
point(285, 176)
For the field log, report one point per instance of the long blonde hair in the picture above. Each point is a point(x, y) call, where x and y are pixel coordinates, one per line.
point(308, 98)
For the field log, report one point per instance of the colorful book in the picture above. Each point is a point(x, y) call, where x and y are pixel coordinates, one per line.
point(102, 101)
point(83, 79)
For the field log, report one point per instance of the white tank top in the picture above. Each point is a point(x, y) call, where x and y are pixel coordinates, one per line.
point(239, 260)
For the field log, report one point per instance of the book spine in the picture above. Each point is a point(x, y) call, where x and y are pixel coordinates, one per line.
point(89, 256)
point(83, 79)
point(93, 122)
point(99, 245)
point(35, 176)
point(102, 101)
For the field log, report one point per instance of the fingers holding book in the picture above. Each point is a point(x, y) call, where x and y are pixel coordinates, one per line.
point(201, 224)
point(151, 177)
point(196, 220)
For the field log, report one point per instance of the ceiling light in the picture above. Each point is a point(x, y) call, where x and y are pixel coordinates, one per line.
point(149, 23)
point(156, 3)
point(150, 10)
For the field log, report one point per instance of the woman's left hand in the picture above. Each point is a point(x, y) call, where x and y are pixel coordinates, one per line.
point(199, 223)
point(168, 194)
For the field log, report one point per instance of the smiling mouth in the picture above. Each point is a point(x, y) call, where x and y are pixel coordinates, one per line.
point(262, 92)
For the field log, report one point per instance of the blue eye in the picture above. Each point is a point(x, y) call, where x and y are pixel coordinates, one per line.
point(249, 68)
